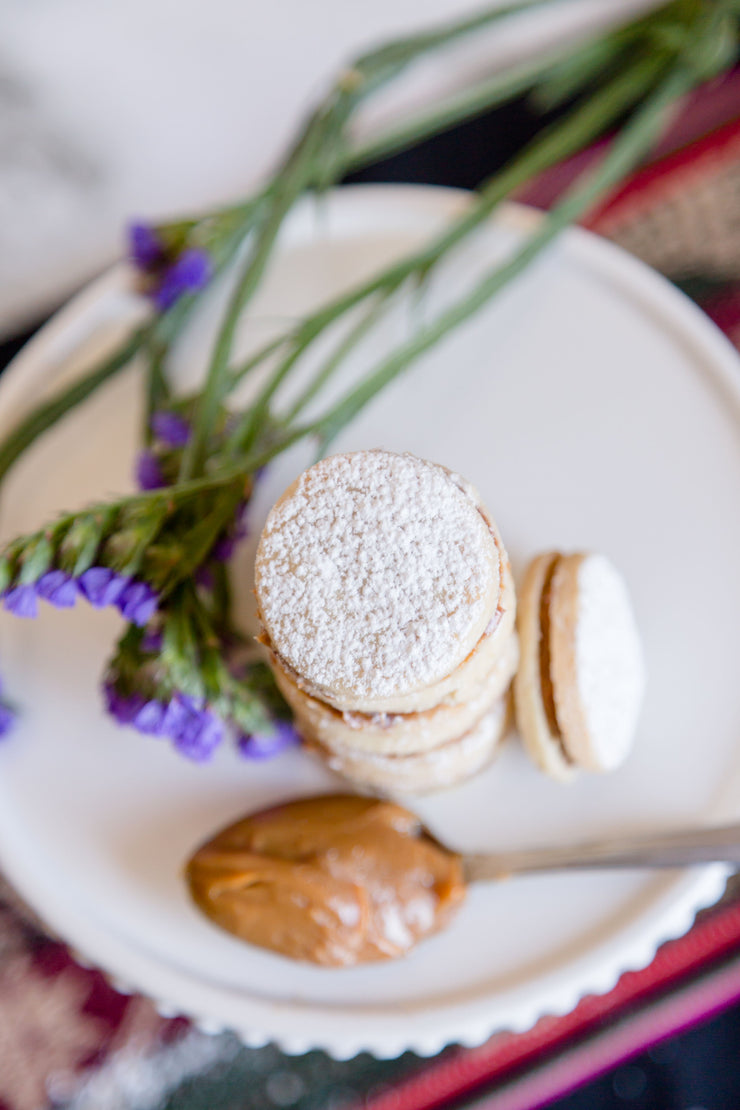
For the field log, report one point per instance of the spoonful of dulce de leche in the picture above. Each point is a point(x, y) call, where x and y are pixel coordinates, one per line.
point(339, 879)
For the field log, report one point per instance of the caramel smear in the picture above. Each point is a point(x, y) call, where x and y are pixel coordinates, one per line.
point(335, 880)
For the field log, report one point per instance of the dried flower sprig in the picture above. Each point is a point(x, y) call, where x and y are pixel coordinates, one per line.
point(130, 553)
point(183, 681)
point(156, 554)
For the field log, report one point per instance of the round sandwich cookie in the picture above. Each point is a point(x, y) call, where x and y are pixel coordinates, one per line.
point(424, 772)
point(581, 676)
point(490, 654)
point(397, 733)
point(377, 576)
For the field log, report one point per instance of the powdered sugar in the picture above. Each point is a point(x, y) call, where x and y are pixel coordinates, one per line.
point(376, 574)
point(609, 666)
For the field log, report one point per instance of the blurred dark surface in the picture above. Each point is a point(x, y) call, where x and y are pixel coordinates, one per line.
point(699, 1070)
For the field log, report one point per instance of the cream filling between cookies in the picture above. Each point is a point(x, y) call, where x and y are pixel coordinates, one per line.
point(547, 690)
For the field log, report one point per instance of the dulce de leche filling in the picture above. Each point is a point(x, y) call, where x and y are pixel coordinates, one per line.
point(546, 685)
point(335, 880)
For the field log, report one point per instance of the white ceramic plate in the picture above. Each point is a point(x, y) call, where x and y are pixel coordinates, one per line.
point(594, 407)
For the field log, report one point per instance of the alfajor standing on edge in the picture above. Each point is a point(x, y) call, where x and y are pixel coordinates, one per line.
point(581, 680)
point(388, 607)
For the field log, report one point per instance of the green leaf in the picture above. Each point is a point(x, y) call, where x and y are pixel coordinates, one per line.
point(7, 573)
point(36, 559)
point(250, 715)
point(126, 548)
point(44, 416)
point(80, 545)
point(180, 653)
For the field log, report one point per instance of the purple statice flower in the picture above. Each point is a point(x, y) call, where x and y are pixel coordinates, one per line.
point(146, 716)
point(267, 746)
point(121, 707)
point(7, 719)
point(58, 588)
point(152, 640)
point(205, 578)
point(188, 273)
point(169, 273)
point(146, 250)
point(150, 718)
point(137, 602)
point(170, 428)
point(7, 716)
point(101, 586)
point(149, 471)
point(194, 730)
point(21, 601)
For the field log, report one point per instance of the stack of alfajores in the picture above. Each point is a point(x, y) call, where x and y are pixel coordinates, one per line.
point(388, 607)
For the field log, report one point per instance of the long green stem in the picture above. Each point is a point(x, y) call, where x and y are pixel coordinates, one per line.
point(482, 97)
point(316, 159)
point(46, 415)
point(159, 332)
point(248, 427)
point(287, 187)
point(584, 123)
point(354, 336)
point(626, 152)
point(237, 375)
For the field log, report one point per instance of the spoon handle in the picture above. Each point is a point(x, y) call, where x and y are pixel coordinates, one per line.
point(673, 849)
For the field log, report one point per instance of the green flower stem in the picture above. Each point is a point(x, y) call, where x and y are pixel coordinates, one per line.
point(315, 161)
point(376, 64)
point(370, 70)
point(236, 376)
point(354, 336)
point(159, 332)
point(157, 386)
point(582, 125)
point(46, 415)
point(201, 538)
point(466, 105)
point(257, 417)
point(287, 187)
point(627, 150)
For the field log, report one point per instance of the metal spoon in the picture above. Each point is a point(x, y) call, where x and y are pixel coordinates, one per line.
point(672, 849)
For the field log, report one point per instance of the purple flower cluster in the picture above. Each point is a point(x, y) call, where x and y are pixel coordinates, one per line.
point(172, 430)
point(265, 747)
point(7, 716)
point(100, 586)
point(194, 729)
point(149, 471)
point(170, 273)
point(225, 545)
point(192, 726)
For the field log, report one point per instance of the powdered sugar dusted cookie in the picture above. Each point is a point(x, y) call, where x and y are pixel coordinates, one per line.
point(425, 772)
point(377, 575)
point(397, 733)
